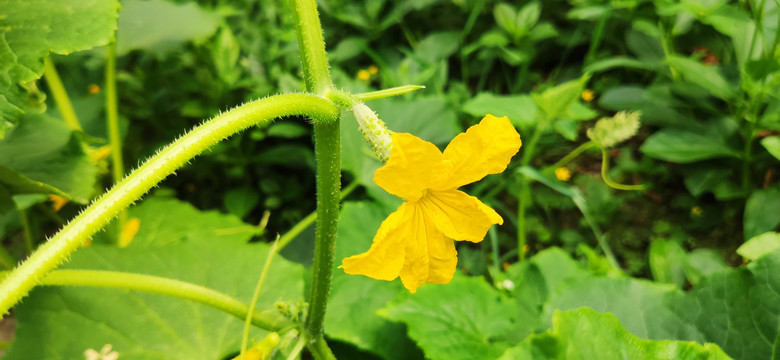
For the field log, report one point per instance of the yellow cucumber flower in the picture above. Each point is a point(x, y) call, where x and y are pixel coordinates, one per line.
point(416, 241)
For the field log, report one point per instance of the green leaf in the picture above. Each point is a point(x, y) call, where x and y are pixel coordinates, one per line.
point(760, 245)
point(532, 282)
point(640, 305)
point(569, 129)
point(354, 299)
point(772, 144)
point(703, 177)
point(144, 326)
point(438, 46)
point(241, 201)
point(762, 212)
point(520, 109)
point(722, 308)
point(556, 100)
point(708, 77)
point(30, 29)
point(608, 132)
point(667, 262)
point(737, 309)
point(159, 26)
point(464, 319)
point(42, 150)
point(682, 146)
point(430, 118)
point(587, 334)
point(505, 15)
point(528, 16)
point(287, 129)
point(168, 221)
point(701, 263)
point(16, 183)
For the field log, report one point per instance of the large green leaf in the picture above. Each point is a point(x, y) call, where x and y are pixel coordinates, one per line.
point(354, 299)
point(762, 212)
point(521, 109)
point(42, 150)
point(30, 29)
point(63, 322)
point(682, 146)
point(465, 319)
point(532, 282)
point(640, 305)
point(167, 221)
point(708, 77)
point(587, 334)
point(158, 25)
point(737, 309)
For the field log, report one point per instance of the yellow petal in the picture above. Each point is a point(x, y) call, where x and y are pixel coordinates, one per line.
point(442, 259)
point(415, 271)
point(412, 166)
point(460, 216)
point(485, 148)
point(385, 258)
point(430, 256)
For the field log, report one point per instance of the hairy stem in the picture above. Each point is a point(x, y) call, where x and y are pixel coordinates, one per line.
point(327, 147)
point(312, 46)
point(164, 286)
point(327, 151)
point(168, 160)
point(60, 95)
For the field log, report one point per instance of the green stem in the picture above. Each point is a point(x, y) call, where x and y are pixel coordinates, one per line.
point(256, 295)
point(164, 286)
point(747, 157)
point(320, 349)
point(28, 241)
point(608, 180)
point(60, 95)
point(327, 151)
point(312, 46)
point(525, 189)
point(297, 349)
point(309, 219)
point(573, 154)
point(327, 147)
point(112, 115)
point(522, 204)
point(131, 188)
point(666, 39)
point(598, 35)
point(380, 94)
point(112, 124)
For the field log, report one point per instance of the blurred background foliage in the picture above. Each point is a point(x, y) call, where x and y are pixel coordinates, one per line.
point(704, 75)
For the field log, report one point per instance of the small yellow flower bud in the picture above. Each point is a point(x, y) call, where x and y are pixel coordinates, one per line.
point(697, 211)
point(374, 130)
point(129, 231)
point(93, 89)
point(373, 70)
point(562, 174)
point(364, 75)
point(588, 95)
